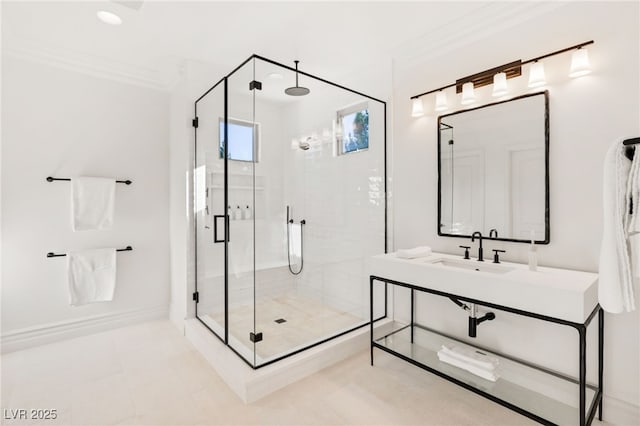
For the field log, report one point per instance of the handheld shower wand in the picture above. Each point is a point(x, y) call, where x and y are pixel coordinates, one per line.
point(288, 225)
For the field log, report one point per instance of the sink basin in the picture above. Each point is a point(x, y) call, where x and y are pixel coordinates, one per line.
point(471, 265)
point(554, 292)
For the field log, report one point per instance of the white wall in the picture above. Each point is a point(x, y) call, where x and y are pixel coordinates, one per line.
point(586, 116)
point(61, 123)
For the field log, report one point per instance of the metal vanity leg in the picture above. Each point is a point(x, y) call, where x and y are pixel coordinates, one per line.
point(412, 306)
point(582, 331)
point(600, 359)
point(371, 315)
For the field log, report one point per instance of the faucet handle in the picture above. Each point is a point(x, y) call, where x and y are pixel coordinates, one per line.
point(496, 256)
point(466, 251)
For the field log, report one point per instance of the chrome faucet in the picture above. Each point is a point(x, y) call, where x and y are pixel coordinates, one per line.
point(473, 238)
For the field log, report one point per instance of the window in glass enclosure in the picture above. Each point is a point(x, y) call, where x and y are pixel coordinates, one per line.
point(353, 129)
point(243, 140)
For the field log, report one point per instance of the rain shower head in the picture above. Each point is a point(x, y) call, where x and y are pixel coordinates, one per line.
point(296, 90)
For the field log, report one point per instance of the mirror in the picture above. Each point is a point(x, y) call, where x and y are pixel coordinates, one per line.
point(493, 170)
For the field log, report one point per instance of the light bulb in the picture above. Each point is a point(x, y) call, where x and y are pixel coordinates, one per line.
point(109, 17)
point(499, 85)
point(441, 101)
point(417, 110)
point(536, 75)
point(580, 63)
point(468, 95)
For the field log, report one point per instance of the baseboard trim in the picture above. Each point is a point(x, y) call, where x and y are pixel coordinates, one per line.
point(618, 412)
point(48, 333)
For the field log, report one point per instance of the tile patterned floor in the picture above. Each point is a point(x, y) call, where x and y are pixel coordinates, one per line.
point(149, 374)
point(307, 321)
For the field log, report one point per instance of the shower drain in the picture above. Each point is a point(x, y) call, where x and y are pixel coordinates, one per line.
point(280, 320)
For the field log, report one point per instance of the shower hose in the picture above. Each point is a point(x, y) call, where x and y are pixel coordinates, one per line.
point(289, 223)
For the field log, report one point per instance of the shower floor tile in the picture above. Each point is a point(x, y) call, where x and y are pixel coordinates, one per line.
point(306, 321)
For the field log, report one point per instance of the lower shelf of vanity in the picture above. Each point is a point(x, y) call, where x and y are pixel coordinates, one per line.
point(551, 396)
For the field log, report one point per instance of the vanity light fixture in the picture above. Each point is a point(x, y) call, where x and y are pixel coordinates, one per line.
point(468, 94)
point(417, 109)
point(580, 63)
point(536, 75)
point(499, 85)
point(109, 17)
point(498, 76)
point(441, 101)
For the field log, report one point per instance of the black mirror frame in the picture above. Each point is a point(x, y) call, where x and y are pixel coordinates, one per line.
point(547, 236)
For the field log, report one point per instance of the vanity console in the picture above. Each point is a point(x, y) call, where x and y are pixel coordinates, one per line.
point(551, 295)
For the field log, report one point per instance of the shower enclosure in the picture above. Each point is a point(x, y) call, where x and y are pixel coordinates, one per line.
point(290, 202)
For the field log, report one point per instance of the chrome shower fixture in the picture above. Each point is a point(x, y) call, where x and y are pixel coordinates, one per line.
point(297, 90)
point(305, 144)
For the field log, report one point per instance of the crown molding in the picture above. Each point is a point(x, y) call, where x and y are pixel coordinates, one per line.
point(482, 21)
point(90, 64)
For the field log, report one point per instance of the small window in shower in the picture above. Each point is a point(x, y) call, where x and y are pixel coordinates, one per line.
point(353, 129)
point(243, 140)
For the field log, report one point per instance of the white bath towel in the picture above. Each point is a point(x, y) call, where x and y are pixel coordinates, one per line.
point(471, 356)
point(615, 286)
point(413, 253)
point(92, 203)
point(92, 275)
point(492, 376)
point(632, 219)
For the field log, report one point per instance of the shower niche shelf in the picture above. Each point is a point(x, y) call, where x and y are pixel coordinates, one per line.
point(237, 181)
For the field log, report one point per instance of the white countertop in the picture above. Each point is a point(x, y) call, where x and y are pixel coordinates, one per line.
point(559, 293)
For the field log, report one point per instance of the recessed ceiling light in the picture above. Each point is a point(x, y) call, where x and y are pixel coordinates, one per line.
point(109, 17)
point(275, 76)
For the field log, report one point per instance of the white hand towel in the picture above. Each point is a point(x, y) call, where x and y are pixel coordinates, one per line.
point(480, 372)
point(92, 276)
point(414, 253)
point(615, 286)
point(471, 356)
point(92, 203)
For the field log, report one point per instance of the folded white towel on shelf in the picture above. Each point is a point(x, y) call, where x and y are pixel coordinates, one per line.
point(492, 376)
point(471, 356)
point(414, 253)
point(92, 203)
point(615, 286)
point(92, 275)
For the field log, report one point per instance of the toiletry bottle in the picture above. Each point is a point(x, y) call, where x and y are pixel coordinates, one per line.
point(238, 213)
point(247, 213)
point(533, 255)
point(229, 213)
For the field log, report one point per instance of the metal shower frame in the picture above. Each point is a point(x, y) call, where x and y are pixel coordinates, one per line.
point(257, 85)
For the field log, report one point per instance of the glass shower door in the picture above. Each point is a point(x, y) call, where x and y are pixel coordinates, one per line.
point(210, 221)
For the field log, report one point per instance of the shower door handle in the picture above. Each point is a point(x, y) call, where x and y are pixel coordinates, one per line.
point(215, 228)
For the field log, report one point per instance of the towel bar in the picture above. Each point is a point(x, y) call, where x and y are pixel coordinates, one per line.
point(52, 254)
point(51, 179)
